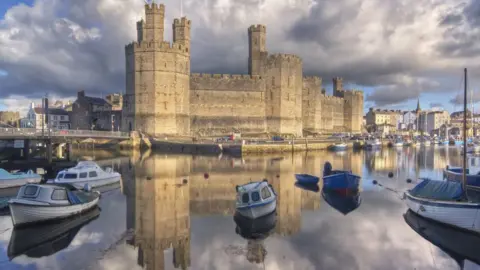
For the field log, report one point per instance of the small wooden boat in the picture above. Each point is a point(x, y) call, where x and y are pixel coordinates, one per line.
point(48, 238)
point(307, 179)
point(256, 199)
point(458, 244)
point(445, 202)
point(344, 201)
point(38, 203)
point(337, 179)
point(87, 172)
point(9, 180)
point(308, 187)
point(456, 174)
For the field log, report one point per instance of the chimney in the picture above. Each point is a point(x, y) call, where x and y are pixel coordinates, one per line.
point(81, 94)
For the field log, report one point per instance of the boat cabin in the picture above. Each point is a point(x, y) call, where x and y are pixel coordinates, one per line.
point(255, 193)
point(83, 171)
point(46, 194)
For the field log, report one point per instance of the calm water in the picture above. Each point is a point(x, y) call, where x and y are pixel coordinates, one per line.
point(156, 221)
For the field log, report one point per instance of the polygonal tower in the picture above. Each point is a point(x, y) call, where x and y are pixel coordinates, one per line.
point(158, 77)
point(337, 87)
point(257, 52)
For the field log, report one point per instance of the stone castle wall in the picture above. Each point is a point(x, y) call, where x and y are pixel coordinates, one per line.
point(10, 118)
point(162, 97)
point(222, 102)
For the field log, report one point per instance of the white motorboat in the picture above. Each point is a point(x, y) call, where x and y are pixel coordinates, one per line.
point(37, 203)
point(445, 202)
point(338, 146)
point(398, 143)
point(87, 172)
point(256, 199)
point(375, 143)
point(8, 180)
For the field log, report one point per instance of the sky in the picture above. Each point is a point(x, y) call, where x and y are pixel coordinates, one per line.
point(396, 51)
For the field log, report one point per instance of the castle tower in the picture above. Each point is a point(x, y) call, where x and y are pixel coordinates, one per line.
point(157, 96)
point(337, 87)
point(181, 32)
point(257, 52)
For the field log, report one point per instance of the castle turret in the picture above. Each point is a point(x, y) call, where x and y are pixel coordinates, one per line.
point(257, 52)
point(154, 25)
point(338, 87)
point(181, 32)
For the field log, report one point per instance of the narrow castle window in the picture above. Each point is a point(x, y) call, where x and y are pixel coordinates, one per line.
point(273, 80)
point(271, 95)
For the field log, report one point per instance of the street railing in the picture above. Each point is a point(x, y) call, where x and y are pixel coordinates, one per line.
point(32, 132)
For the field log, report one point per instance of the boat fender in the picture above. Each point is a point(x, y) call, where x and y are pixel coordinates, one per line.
point(390, 174)
point(185, 181)
point(374, 182)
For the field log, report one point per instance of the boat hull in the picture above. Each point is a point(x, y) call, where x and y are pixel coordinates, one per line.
point(341, 147)
point(92, 183)
point(23, 214)
point(257, 210)
point(306, 179)
point(462, 215)
point(17, 182)
point(344, 180)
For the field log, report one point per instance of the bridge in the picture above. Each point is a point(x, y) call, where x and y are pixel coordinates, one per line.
point(38, 134)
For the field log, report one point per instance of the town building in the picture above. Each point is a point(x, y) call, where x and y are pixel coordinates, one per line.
point(9, 119)
point(163, 97)
point(94, 113)
point(36, 118)
point(116, 100)
point(376, 117)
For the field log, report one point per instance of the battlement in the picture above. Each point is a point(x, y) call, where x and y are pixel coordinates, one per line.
point(181, 22)
point(354, 92)
point(257, 28)
point(164, 46)
point(312, 79)
point(227, 76)
point(226, 82)
point(333, 99)
point(155, 8)
point(284, 60)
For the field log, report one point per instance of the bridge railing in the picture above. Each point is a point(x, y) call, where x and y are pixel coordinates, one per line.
point(32, 132)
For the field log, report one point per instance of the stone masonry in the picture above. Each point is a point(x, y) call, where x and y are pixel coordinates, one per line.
point(162, 97)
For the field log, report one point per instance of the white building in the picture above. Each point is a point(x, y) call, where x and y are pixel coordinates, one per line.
point(57, 118)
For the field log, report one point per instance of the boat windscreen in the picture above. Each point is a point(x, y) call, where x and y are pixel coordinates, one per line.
point(70, 176)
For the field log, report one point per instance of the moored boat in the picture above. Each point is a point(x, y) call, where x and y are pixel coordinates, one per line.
point(344, 201)
point(445, 202)
point(48, 238)
point(37, 203)
point(8, 180)
point(259, 228)
point(398, 143)
point(338, 146)
point(338, 179)
point(373, 144)
point(306, 179)
point(256, 199)
point(456, 174)
point(87, 172)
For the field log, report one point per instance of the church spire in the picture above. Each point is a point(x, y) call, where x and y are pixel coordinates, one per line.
point(418, 106)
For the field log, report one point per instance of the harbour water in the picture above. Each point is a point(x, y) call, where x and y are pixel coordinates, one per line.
point(156, 220)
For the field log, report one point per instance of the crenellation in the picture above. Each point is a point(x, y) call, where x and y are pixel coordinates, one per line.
point(154, 7)
point(164, 46)
point(257, 28)
point(182, 22)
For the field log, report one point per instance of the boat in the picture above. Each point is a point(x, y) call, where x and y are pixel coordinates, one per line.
point(338, 179)
point(308, 187)
point(426, 143)
point(259, 228)
point(87, 172)
point(307, 179)
point(408, 142)
point(374, 143)
point(398, 143)
point(458, 244)
point(456, 174)
point(472, 148)
point(48, 238)
point(338, 146)
point(9, 180)
point(344, 201)
point(38, 203)
point(448, 202)
point(256, 199)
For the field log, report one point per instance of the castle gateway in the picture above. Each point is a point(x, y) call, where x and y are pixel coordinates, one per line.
point(163, 98)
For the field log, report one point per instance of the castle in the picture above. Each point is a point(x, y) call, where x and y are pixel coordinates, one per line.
point(162, 97)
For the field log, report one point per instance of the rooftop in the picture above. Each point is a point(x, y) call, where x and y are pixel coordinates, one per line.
point(51, 111)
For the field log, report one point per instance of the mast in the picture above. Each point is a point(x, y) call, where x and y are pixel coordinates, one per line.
point(464, 182)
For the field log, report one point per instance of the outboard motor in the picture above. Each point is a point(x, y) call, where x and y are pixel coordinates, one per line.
point(327, 169)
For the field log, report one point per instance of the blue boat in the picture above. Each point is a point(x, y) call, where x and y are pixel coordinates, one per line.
point(306, 179)
point(456, 174)
point(337, 179)
point(344, 201)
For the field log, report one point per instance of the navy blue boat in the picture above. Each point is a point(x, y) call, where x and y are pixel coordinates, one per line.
point(306, 179)
point(344, 201)
point(456, 174)
point(337, 179)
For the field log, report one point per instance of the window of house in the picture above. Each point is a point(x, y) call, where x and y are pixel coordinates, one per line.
point(92, 174)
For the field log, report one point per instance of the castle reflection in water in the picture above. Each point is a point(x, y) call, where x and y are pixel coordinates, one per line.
point(160, 203)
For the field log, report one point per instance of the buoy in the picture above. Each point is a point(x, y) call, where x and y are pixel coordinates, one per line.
point(390, 174)
point(205, 175)
point(185, 181)
point(409, 180)
point(374, 182)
